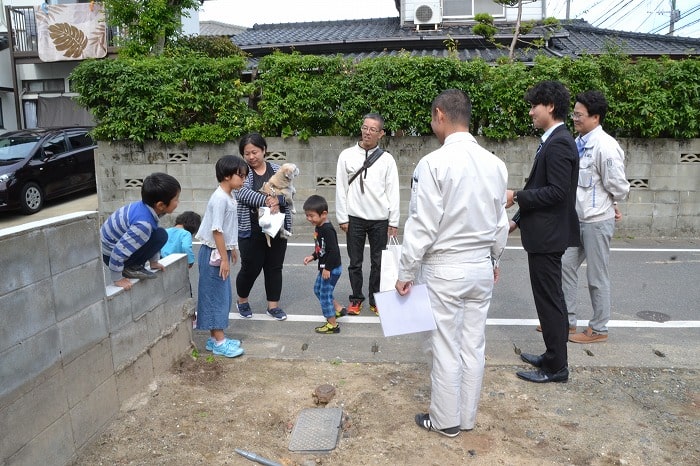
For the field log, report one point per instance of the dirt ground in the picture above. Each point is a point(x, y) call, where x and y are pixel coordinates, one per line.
point(206, 407)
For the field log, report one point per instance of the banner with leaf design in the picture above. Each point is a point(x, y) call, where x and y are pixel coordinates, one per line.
point(71, 31)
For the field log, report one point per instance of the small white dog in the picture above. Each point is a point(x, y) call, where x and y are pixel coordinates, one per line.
point(281, 183)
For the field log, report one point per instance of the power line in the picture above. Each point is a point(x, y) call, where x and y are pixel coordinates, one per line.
point(600, 22)
point(650, 14)
point(666, 24)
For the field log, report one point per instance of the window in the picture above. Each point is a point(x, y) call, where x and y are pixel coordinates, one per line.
point(78, 140)
point(455, 8)
point(39, 86)
point(54, 146)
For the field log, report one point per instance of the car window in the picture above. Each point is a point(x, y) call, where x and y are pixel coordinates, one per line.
point(13, 148)
point(78, 140)
point(54, 146)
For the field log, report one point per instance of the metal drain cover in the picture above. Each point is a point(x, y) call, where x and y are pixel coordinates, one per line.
point(316, 430)
point(654, 316)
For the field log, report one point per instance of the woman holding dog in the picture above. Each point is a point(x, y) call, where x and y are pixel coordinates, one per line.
point(256, 255)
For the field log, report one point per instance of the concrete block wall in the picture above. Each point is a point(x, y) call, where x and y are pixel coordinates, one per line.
point(664, 174)
point(73, 350)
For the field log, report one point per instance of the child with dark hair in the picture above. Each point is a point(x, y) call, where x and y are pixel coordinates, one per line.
point(219, 236)
point(180, 236)
point(327, 253)
point(131, 235)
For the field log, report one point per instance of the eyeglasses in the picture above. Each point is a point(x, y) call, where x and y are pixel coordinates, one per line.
point(366, 128)
point(578, 116)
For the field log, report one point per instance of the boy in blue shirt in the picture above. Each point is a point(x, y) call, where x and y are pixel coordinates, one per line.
point(131, 235)
point(180, 236)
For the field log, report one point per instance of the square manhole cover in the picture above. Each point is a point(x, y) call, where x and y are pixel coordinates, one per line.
point(316, 430)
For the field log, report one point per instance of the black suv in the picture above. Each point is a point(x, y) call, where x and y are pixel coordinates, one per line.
point(44, 163)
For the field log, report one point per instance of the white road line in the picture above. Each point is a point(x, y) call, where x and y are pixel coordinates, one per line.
point(520, 248)
point(491, 322)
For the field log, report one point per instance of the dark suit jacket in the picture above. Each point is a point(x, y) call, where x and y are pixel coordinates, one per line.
point(547, 217)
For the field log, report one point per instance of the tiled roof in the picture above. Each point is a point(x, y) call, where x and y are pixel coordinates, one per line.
point(216, 28)
point(375, 37)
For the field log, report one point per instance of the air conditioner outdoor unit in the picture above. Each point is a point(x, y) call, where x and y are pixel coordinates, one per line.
point(428, 13)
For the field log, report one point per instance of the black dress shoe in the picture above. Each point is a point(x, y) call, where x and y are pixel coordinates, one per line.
point(541, 376)
point(533, 359)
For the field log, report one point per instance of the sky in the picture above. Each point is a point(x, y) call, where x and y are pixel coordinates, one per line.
point(624, 15)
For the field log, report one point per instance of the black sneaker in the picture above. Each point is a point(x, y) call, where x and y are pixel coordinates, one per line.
point(423, 420)
point(138, 272)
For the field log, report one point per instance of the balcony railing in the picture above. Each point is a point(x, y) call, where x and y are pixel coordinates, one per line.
point(23, 31)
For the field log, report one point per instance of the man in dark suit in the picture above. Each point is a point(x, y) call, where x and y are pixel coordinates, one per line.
point(549, 224)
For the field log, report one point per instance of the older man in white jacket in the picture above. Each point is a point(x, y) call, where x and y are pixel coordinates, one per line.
point(601, 184)
point(454, 235)
point(366, 206)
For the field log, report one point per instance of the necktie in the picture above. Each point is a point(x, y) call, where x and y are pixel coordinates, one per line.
point(580, 145)
point(539, 148)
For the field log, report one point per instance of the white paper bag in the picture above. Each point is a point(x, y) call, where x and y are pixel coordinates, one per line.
point(390, 265)
point(269, 222)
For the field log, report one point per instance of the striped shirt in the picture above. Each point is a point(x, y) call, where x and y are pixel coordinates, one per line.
point(125, 232)
point(249, 200)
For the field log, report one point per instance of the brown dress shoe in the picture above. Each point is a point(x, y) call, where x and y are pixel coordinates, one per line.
point(588, 336)
point(572, 330)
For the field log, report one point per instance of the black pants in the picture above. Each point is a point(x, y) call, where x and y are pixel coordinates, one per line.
point(376, 232)
point(256, 255)
point(545, 279)
point(142, 255)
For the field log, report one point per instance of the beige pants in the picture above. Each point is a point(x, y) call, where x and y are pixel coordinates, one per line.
point(460, 295)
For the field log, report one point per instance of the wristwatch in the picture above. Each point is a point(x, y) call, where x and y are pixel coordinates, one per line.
point(515, 196)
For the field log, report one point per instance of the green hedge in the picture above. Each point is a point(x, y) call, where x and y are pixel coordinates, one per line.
point(196, 99)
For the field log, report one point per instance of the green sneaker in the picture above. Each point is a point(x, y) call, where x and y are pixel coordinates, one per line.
point(341, 312)
point(328, 328)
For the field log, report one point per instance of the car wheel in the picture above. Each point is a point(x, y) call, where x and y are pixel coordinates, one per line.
point(32, 199)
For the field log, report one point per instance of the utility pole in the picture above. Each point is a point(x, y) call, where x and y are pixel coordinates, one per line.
point(568, 9)
point(675, 16)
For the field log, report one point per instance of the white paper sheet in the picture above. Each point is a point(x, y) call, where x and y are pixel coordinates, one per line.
point(405, 314)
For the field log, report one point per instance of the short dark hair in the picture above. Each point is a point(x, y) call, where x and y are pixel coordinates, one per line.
point(455, 104)
point(252, 138)
point(595, 103)
point(550, 92)
point(159, 187)
point(189, 220)
point(230, 165)
point(316, 203)
point(376, 117)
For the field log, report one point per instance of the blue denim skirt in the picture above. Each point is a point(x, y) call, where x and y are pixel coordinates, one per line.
point(214, 296)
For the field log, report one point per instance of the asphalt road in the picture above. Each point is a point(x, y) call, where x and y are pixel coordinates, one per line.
point(655, 316)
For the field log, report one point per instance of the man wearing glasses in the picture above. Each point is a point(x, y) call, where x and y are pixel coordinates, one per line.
point(601, 184)
point(367, 206)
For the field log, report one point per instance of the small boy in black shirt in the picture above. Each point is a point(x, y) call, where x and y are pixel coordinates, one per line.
point(327, 252)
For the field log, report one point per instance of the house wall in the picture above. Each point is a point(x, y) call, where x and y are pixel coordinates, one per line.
point(531, 11)
point(665, 175)
point(72, 351)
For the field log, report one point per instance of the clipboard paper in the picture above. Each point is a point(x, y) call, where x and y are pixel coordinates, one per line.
point(400, 315)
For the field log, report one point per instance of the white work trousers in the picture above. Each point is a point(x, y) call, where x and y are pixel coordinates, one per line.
point(460, 295)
